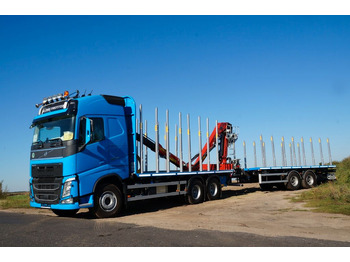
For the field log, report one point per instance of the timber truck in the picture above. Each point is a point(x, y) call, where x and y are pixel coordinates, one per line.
point(92, 152)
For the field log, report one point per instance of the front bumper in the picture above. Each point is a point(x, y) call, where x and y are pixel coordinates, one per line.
point(69, 202)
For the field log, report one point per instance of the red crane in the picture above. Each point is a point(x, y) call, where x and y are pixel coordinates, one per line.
point(225, 138)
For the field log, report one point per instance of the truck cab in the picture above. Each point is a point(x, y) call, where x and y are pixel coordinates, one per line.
point(80, 145)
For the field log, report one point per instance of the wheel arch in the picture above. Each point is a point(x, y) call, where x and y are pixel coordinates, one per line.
point(114, 179)
point(200, 178)
point(215, 176)
point(309, 171)
point(294, 171)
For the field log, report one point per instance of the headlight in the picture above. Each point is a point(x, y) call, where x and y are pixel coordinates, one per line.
point(67, 188)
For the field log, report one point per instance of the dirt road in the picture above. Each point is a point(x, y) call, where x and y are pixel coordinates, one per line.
point(242, 209)
point(247, 209)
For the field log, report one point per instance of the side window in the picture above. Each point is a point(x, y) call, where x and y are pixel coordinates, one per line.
point(97, 132)
point(82, 131)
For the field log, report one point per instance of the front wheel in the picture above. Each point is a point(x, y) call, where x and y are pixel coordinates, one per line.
point(108, 201)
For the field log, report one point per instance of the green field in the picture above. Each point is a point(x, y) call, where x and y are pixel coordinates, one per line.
point(15, 201)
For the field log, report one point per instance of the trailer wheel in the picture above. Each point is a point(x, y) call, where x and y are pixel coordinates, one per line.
point(213, 189)
point(195, 193)
point(309, 179)
point(65, 213)
point(108, 201)
point(294, 180)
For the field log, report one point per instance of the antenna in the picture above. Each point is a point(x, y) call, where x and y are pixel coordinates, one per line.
point(77, 94)
point(90, 92)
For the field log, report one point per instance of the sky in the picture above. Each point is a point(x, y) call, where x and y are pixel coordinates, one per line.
point(270, 75)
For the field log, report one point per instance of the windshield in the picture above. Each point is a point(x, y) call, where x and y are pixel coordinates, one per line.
point(61, 129)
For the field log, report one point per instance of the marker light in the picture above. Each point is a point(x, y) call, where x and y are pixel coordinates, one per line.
point(66, 94)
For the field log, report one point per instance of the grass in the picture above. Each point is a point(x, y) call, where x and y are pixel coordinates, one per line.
point(332, 197)
point(15, 201)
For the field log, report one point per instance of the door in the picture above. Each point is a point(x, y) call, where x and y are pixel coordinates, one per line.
point(118, 146)
point(92, 159)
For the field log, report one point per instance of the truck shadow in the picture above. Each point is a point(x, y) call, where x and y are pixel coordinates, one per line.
point(238, 192)
point(154, 205)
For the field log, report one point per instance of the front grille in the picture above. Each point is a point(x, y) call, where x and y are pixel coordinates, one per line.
point(46, 198)
point(46, 186)
point(47, 190)
point(47, 183)
point(50, 170)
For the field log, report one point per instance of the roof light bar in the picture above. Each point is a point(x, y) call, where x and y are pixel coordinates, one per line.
point(54, 99)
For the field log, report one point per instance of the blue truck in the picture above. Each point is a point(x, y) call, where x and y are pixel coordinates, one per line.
point(88, 152)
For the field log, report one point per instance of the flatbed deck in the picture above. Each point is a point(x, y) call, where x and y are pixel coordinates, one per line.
point(288, 167)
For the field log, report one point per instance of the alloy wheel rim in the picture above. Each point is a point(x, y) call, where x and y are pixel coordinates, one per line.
point(108, 201)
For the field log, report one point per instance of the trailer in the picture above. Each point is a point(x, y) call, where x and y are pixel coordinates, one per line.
point(92, 152)
point(291, 177)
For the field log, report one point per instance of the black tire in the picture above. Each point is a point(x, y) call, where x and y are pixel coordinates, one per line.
point(309, 179)
point(195, 194)
point(108, 201)
point(213, 189)
point(266, 187)
point(65, 213)
point(294, 181)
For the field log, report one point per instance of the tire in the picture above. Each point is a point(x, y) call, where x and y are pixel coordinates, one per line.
point(107, 201)
point(195, 194)
point(294, 181)
point(213, 189)
point(65, 213)
point(309, 179)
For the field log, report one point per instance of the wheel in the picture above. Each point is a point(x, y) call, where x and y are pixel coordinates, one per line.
point(294, 181)
point(213, 189)
point(309, 179)
point(266, 187)
point(108, 201)
point(65, 213)
point(195, 194)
